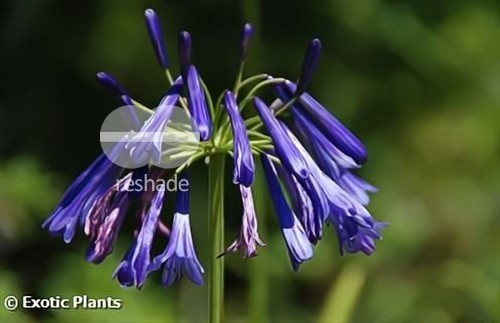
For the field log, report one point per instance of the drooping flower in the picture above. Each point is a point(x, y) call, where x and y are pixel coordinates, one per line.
point(312, 154)
point(133, 269)
point(244, 167)
point(104, 219)
point(198, 104)
point(249, 238)
point(298, 245)
point(81, 196)
point(155, 34)
point(179, 257)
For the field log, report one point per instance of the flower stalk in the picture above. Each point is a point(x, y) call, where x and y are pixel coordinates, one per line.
point(216, 234)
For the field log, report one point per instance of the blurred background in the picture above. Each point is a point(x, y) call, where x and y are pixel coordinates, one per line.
point(417, 81)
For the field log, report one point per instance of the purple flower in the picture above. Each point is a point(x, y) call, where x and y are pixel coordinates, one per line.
point(104, 220)
point(332, 128)
point(299, 247)
point(179, 257)
point(156, 36)
point(184, 48)
point(244, 167)
point(331, 160)
point(80, 197)
point(309, 64)
point(247, 35)
point(249, 237)
point(133, 269)
point(146, 145)
point(303, 206)
point(288, 154)
point(109, 82)
point(197, 104)
point(131, 116)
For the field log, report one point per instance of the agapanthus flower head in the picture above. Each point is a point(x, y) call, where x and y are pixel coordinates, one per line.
point(309, 162)
point(155, 34)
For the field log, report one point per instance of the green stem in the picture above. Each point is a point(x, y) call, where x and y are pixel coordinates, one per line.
point(216, 233)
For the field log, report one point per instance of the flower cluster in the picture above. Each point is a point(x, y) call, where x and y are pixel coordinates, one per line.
point(306, 154)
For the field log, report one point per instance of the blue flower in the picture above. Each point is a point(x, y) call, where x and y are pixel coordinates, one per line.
point(81, 196)
point(146, 145)
point(284, 148)
point(104, 220)
point(332, 128)
point(309, 64)
point(249, 237)
point(246, 36)
point(331, 160)
point(155, 34)
point(298, 245)
point(197, 103)
point(133, 268)
point(179, 257)
point(244, 167)
point(303, 206)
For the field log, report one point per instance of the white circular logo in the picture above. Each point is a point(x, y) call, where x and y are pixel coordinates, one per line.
point(131, 137)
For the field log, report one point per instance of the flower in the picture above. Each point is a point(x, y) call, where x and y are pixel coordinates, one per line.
point(154, 28)
point(133, 268)
point(81, 196)
point(309, 160)
point(249, 237)
point(244, 167)
point(146, 145)
point(197, 103)
point(103, 221)
point(299, 247)
point(109, 82)
point(309, 64)
point(332, 128)
point(246, 36)
point(184, 48)
point(179, 257)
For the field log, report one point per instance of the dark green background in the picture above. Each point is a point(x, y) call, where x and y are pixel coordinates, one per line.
point(417, 81)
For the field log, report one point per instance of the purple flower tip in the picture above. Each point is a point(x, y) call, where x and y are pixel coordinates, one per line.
point(109, 82)
point(184, 47)
point(309, 64)
point(247, 35)
point(155, 34)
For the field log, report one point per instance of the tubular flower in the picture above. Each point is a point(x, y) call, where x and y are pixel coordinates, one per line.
point(244, 167)
point(133, 269)
point(179, 258)
point(309, 162)
point(198, 104)
point(249, 237)
point(299, 247)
